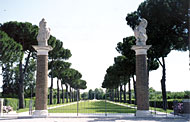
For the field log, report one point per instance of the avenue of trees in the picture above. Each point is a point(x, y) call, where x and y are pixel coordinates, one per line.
point(167, 30)
point(18, 63)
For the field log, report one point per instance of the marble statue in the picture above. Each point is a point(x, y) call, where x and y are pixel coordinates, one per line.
point(140, 32)
point(43, 34)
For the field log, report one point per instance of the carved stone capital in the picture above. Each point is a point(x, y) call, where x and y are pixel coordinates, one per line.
point(141, 49)
point(42, 50)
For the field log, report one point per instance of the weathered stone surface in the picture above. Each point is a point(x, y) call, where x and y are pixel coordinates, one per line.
point(186, 106)
point(42, 82)
point(1, 106)
point(142, 83)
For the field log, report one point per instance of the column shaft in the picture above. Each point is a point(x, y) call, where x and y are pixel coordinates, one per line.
point(142, 82)
point(42, 82)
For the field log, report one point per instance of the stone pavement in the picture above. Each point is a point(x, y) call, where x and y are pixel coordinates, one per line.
point(95, 119)
point(60, 117)
point(72, 117)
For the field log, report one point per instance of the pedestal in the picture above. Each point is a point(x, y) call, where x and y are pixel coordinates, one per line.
point(143, 113)
point(1, 107)
point(142, 88)
point(186, 108)
point(41, 81)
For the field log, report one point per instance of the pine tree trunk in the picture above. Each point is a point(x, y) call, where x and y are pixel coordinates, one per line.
point(115, 95)
point(63, 94)
point(120, 95)
point(51, 87)
point(66, 93)
point(110, 95)
point(21, 87)
point(163, 85)
point(124, 94)
point(58, 94)
point(129, 89)
point(78, 94)
point(135, 93)
point(112, 92)
point(51, 93)
point(70, 95)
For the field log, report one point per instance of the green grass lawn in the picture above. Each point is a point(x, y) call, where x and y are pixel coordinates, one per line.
point(150, 108)
point(93, 107)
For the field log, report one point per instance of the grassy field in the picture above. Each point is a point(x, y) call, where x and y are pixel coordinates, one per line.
point(150, 108)
point(93, 107)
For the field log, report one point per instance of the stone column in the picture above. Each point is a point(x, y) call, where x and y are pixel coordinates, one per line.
point(186, 108)
point(42, 71)
point(142, 88)
point(41, 81)
point(1, 107)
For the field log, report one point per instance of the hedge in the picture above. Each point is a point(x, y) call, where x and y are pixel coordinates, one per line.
point(159, 103)
point(13, 102)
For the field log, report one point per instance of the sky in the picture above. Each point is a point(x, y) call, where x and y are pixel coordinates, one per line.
point(91, 29)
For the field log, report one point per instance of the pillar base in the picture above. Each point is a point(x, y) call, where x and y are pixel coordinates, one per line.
point(186, 115)
point(40, 114)
point(143, 113)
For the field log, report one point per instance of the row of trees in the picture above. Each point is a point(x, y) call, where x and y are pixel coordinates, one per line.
point(18, 62)
point(97, 93)
point(167, 30)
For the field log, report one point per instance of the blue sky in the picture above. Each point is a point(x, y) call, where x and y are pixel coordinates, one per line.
point(91, 29)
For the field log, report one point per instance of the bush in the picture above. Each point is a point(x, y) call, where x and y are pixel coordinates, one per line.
point(13, 102)
point(159, 104)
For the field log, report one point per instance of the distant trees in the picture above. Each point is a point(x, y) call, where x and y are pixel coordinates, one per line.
point(58, 54)
point(97, 93)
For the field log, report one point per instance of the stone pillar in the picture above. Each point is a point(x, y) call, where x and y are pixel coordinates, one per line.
point(41, 81)
point(142, 88)
point(186, 108)
point(1, 107)
point(42, 71)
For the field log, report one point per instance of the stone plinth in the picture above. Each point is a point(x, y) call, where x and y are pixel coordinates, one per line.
point(41, 81)
point(186, 108)
point(142, 81)
point(1, 106)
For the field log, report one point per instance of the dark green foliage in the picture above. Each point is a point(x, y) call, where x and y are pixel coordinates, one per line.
point(10, 50)
point(84, 95)
point(23, 33)
point(10, 82)
point(167, 24)
point(98, 93)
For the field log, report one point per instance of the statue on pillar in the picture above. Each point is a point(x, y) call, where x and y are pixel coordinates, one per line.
point(43, 34)
point(140, 32)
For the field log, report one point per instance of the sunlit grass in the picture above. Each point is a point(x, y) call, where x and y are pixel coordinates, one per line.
point(151, 108)
point(93, 107)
